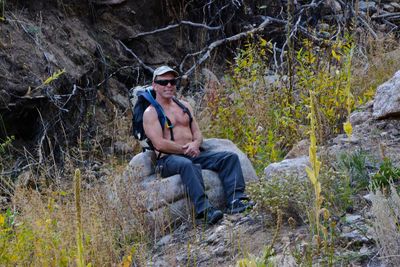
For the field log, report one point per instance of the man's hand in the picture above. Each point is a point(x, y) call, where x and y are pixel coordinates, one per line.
point(191, 149)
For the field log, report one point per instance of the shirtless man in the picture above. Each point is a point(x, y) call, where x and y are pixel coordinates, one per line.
point(182, 154)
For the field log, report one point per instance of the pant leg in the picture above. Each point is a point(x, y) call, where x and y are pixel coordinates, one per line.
point(191, 177)
point(227, 165)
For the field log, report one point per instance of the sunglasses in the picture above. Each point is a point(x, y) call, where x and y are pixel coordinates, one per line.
point(166, 82)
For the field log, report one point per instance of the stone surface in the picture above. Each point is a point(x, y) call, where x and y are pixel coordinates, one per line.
point(387, 98)
point(299, 150)
point(367, 6)
point(288, 167)
point(215, 144)
point(142, 165)
point(165, 199)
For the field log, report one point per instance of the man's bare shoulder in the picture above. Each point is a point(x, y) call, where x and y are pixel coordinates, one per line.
point(150, 113)
point(186, 104)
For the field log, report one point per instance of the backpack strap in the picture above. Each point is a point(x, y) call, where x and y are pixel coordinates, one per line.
point(185, 110)
point(162, 118)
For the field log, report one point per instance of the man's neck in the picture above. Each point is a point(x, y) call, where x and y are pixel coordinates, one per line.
point(164, 101)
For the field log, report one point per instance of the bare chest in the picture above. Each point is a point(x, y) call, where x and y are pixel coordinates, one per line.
point(177, 116)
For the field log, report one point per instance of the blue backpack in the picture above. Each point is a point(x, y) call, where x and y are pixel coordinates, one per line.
point(142, 97)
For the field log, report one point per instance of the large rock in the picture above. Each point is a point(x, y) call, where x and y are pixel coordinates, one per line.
point(288, 167)
point(165, 198)
point(387, 98)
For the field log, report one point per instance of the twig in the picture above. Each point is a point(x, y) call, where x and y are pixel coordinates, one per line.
point(112, 74)
point(368, 27)
point(396, 14)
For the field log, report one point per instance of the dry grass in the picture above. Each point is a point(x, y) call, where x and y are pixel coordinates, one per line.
point(386, 211)
point(112, 217)
point(376, 60)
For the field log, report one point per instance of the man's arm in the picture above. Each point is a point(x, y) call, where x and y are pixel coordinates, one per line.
point(193, 148)
point(154, 132)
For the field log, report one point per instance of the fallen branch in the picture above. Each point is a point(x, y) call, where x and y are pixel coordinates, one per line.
point(169, 27)
point(136, 57)
point(387, 16)
point(215, 44)
point(367, 26)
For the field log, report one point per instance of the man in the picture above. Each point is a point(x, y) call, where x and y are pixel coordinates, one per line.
point(179, 152)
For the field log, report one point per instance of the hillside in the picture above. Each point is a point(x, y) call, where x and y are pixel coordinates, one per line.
point(274, 77)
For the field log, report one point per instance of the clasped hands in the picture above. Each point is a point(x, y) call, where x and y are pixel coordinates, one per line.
point(191, 149)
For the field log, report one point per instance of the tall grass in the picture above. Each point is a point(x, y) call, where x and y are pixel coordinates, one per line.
point(386, 216)
point(79, 229)
point(64, 227)
point(313, 171)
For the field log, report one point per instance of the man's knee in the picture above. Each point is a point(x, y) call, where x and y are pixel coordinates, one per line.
point(232, 156)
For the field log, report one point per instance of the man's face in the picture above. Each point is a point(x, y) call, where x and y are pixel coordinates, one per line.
point(167, 88)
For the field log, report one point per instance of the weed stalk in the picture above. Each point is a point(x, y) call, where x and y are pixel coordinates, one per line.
point(313, 171)
point(79, 234)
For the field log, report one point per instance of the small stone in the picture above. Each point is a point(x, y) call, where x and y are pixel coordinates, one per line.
point(395, 5)
point(212, 238)
point(368, 197)
point(368, 6)
point(355, 236)
point(220, 251)
point(164, 240)
point(389, 8)
point(353, 218)
point(220, 228)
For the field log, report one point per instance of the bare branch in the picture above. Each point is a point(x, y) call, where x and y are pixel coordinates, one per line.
point(136, 57)
point(169, 27)
point(213, 45)
point(112, 74)
point(368, 27)
point(387, 16)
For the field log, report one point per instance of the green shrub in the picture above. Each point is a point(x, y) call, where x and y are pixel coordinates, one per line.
point(386, 174)
point(288, 194)
point(355, 166)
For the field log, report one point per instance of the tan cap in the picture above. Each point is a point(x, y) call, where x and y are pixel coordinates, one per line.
point(162, 70)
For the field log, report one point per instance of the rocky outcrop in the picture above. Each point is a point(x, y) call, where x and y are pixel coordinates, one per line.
point(376, 131)
point(288, 167)
point(165, 198)
point(387, 98)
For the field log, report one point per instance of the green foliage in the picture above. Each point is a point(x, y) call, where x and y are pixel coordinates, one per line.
point(325, 70)
point(238, 113)
point(354, 165)
point(338, 192)
point(31, 242)
point(286, 194)
point(5, 145)
point(386, 174)
point(265, 119)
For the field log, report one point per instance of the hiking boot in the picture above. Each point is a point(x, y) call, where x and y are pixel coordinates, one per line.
point(210, 216)
point(239, 205)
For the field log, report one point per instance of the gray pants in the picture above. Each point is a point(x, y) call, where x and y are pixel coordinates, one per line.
point(226, 164)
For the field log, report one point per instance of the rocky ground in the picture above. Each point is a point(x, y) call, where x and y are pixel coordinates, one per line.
point(376, 132)
point(85, 38)
point(248, 236)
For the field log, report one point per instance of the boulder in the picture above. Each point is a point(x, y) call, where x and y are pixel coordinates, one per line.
point(141, 165)
point(367, 6)
point(299, 149)
point(288, 167)
point(165, 198)
point(387, 98)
